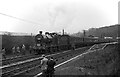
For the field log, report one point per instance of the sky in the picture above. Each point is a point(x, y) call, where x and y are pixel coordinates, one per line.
point(31, 16)
point(119, 12)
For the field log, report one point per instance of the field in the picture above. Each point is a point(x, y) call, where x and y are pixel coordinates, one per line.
point(101, 62)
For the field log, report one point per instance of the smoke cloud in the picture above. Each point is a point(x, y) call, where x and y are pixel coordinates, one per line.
point(61, 16)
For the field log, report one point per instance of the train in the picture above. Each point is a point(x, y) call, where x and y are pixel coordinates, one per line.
point(53, 42)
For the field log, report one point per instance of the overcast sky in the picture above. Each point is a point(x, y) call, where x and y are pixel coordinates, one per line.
point(30, 16)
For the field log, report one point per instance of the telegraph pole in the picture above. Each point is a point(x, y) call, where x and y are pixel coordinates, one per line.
point(84, 34)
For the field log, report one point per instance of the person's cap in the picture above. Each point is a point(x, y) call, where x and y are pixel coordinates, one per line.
point(43, 55)
point(40, 31)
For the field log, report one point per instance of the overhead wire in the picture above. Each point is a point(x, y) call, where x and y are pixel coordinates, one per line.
point(20, 19)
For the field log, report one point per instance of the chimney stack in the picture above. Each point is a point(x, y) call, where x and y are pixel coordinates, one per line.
point(63, 31)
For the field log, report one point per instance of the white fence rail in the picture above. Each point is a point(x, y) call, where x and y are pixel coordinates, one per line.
point(16, 33)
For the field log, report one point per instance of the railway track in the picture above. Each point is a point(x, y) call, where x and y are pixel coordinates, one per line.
point(94, 48)
point(29, 65)
point(59, 58)
point(16, 59)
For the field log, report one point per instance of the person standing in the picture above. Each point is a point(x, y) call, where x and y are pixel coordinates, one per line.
point(18, 51)
point(73, 46)
point(30, 49)
point(44, 65)
point(50, 67)
point(23, 49)
point(13, 51)
point(4, 53)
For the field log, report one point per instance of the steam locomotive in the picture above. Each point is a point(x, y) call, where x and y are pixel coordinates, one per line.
point(51, 42)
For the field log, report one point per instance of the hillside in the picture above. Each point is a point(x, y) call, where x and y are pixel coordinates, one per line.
point(108, 31)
